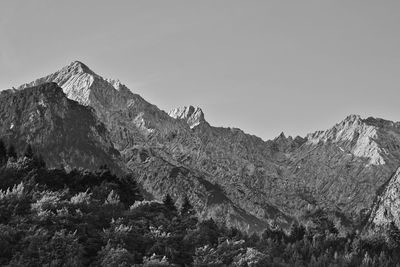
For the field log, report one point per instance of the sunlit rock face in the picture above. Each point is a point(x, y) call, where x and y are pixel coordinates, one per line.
point(193, 116)
point(231, 175)
point(387, 205)
point(361, 137)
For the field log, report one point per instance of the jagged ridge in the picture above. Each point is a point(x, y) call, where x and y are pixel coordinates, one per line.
point(338, 169)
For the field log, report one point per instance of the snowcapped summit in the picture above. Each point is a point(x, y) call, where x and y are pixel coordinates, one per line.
point(192, 115)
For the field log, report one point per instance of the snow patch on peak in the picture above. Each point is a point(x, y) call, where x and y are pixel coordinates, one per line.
point(192, 115)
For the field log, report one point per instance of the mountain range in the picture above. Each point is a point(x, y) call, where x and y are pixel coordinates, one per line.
point(78, 119)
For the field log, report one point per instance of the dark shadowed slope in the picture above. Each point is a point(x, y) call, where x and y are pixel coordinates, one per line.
point(62, 130)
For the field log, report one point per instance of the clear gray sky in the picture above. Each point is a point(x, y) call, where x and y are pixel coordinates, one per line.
point(263, 66)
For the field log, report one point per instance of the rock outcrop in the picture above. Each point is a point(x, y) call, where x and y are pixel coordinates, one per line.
point(193, 116)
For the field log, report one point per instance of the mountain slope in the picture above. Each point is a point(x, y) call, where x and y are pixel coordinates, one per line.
point(153, 144)
point(230, 174)
point(387, 206)
point(63, 131)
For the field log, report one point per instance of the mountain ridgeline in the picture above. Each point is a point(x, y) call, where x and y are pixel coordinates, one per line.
point(76, 118)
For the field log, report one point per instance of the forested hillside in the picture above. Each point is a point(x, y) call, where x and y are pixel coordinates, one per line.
point(50, 217)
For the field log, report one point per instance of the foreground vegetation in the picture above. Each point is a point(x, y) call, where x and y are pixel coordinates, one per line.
point(50, 217)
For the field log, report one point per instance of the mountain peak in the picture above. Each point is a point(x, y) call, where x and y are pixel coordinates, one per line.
point(83, 85)
point(193, 115)
point(355, 135)
point(352, 118)
point(78, 66)
point(281, 136)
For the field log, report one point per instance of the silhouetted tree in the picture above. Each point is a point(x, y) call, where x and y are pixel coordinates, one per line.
point(129, 190)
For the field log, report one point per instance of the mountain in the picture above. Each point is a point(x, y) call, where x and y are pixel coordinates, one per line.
point(159, 149)
point(233, 176)
point(62, 131)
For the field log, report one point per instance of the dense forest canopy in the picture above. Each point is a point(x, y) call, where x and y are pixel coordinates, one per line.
point(51, 217)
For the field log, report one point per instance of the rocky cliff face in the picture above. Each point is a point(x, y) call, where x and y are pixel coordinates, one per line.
point(387, 206)
point(233, 176)
point(63, 131)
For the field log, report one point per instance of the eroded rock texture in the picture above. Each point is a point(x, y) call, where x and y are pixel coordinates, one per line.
point(233, 176)
point(63, 131)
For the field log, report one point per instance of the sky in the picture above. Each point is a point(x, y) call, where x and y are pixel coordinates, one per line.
point(263, 66)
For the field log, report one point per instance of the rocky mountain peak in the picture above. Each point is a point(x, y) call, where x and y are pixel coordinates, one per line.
point(83, 85)
point(355, 135)
point(78, 66)
point(75, 79)
point(282, 136)
point(110, 100)
point(352, 118)
point(192, 115)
